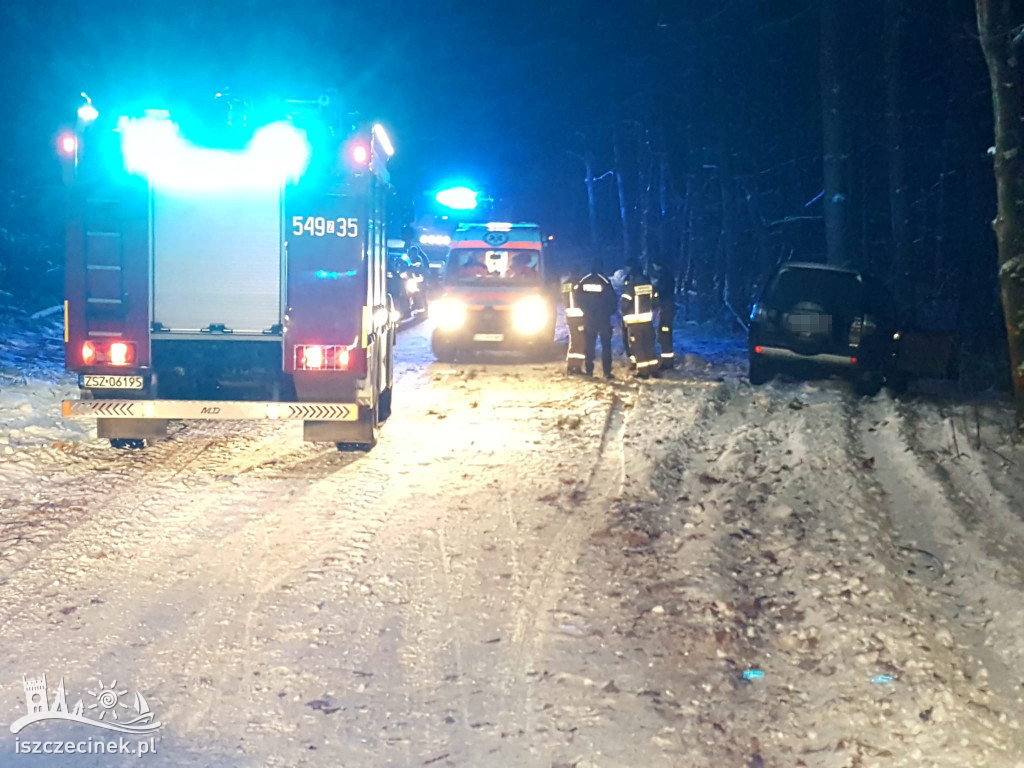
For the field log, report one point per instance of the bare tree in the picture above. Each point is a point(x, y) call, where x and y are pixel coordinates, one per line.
point(899, 210)
point(834, 170)
point(1001, 27)
point(621, 185)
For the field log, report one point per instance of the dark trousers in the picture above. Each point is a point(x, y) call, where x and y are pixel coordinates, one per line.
point(641, 346)
point(666, 318)
point(591, 332)
point(577, 348)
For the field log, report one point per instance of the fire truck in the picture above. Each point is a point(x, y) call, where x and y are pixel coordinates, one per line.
point(497, 292)
point(228, 263)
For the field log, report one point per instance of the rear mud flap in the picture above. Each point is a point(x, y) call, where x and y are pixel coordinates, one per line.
point(362, 432)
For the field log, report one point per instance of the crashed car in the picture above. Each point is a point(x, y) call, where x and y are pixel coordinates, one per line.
point(822, 319)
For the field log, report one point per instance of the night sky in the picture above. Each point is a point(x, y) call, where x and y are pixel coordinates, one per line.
point(709, 100)
point(494, 92)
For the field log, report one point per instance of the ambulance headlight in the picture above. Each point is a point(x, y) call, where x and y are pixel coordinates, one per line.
point(450, 313)
point(530, 315)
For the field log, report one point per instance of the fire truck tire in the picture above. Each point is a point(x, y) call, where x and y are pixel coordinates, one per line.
point(127, 443)
point(384, 405)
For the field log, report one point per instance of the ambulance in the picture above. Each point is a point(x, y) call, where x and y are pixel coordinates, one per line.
point(496, 292)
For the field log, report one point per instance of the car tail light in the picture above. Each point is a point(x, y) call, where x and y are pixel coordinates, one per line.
point(315, 357)
point(856, 332)
point(758, 349)
point(121, 353)
point(861, 327)
point(88, 353)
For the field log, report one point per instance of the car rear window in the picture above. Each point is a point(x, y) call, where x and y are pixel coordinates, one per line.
point(835, 291)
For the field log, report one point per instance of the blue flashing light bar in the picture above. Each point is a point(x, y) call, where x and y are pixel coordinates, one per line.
point(458, 198)
point(153, 147)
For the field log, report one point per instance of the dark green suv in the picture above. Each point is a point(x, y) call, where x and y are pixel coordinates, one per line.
point(822, 318)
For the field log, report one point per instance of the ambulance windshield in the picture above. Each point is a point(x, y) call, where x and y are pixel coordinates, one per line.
point(468, 265)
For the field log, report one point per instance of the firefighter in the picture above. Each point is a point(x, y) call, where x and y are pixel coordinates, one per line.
point(574, 320)
point(665, 301)
point(595, 295)
point(637, 305)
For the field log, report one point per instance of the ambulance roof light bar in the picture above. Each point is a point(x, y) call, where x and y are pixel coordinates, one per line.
point(87, 112)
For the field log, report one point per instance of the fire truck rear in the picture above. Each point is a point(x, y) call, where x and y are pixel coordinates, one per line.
point(228, 268)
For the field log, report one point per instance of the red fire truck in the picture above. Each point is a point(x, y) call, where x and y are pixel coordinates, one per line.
point(228, 264)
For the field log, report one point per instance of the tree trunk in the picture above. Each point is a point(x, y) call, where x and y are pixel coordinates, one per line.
point(644, 167)
point(588, 161)
point(834, 164)
point(998, 21)
point(621, 185)
point(899, 212)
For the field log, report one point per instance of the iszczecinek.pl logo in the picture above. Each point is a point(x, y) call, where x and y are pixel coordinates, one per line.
point(105, 710)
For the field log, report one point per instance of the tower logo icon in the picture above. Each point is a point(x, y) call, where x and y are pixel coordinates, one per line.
point(35, 694)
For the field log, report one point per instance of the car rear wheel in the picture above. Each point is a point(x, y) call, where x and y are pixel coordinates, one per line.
point(868, 383)
point(897, 383)
point(760, 371)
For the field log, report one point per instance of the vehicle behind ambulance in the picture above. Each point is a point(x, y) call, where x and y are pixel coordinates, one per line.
point(496, 292)
point(228, 267)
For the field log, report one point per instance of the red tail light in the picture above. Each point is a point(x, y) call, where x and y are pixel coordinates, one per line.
point(314, 357)
point(68, 144)
point(115, 353)
point(121, 353)
point(758, 350)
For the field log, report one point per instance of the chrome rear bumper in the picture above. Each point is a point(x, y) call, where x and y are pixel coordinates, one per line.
point(208, 409)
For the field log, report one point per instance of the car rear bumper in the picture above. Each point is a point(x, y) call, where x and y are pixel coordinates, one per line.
point(781, 354)
point(208, 410)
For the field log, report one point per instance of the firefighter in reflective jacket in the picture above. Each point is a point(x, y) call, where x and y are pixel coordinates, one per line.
point(637, 306)
point(595, 296)
point(665, 300)
point(574, 320)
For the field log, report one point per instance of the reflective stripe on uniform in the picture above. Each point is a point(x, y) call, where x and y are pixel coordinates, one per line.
point(574, 312)
point(592, 288)
point(664, 329)
point(667, 355)
point(642, 317)
point(577, 356)
point(647, 364)
point(627, 297)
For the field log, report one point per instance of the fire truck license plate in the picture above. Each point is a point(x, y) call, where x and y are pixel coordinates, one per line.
point(91, 381)
point(488, 337)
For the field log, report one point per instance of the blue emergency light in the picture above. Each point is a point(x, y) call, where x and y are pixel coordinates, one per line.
point(458, 198)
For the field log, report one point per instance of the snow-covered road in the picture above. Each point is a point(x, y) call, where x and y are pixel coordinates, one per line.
point(529, 570)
